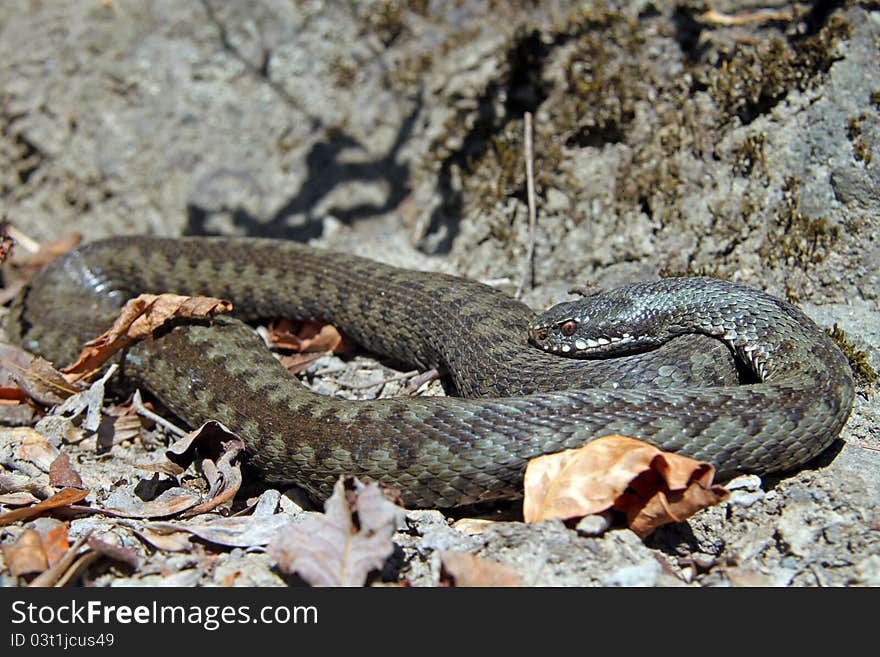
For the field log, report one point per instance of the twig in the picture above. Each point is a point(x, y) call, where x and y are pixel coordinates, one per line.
point(759, 16)
point(529, 270)
point(419, 380)
point(403, 376)
point(139, 407)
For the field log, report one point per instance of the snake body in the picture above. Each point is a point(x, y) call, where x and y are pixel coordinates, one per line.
point(516, 401)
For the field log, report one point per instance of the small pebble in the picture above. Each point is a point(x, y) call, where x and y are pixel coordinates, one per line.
point(594, 525)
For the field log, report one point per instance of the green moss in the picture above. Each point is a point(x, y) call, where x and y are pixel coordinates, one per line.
point(750, 153)
point(854, 133)
point(691, 271)
point(797, 239)
point(858, 360)
point(752, 79)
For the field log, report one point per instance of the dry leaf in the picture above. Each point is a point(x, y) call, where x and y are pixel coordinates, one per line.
point(137, 320)
point(307, 336)
point(650, 486)
point(26, 556)
point(239, 531)
point(172, 541)
point(33, 447)
point(463, 569)
point(61, 473)
point(12, 395)
point(65, 568)
point(64, 497)
point(20, 498)
point(43, 383)
point(117, 553)
point(296, 363)
point(221, 467)
point(55, 543)
point(169, 503)
point(342, 546)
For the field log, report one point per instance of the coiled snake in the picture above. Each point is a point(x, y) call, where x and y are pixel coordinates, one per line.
point(516, 400)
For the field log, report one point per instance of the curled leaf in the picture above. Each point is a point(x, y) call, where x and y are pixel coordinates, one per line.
point(650, 486)
point(307, 337)
point(137, 320)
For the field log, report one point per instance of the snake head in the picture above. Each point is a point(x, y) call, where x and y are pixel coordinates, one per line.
point(607, 324)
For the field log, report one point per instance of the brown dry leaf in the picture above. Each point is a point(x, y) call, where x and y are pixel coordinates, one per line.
point(307, 336)
point(222, 449)
point(64, 497)
point(237, 531)
point(225, 478)
point(117, 553)
point(342, 546)
point(463, 569)
point(20, 498)
point(33, 447)
point(170, 503)
point(62, 473)
point(32, 376)
point(14, 395)
point(55, 543)
point(44, 384)
point(650, 486)
point(26, 556)
point(167, 541)
point(65, 568)
point(137, 320)
point(296, 363)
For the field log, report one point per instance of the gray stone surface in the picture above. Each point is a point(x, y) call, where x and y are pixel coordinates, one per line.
point(662, 141)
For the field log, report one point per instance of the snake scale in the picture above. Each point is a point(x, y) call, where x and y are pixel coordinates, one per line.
point(516, 401)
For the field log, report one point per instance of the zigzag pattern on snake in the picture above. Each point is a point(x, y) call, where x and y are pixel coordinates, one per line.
point(516, 401)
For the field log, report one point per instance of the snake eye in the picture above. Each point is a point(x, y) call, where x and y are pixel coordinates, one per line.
point(568, 328)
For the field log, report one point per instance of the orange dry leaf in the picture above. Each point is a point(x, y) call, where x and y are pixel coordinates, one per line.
point(463, 569)
point(64, 497)
point(137, 320)
point(650, 486)
point(308, 336)
point(26, 555)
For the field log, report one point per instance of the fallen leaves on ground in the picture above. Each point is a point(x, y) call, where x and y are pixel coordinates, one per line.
point(343, 545)
point(650, 486)
point(26, 556)
point(63, 474)
point(236, 531)
point(64, 497)
point(23, 375)
point(464, 569)
point(170, 502)
point(33, 447)
point(221, 465)
point(307, 336)
point(137, 320)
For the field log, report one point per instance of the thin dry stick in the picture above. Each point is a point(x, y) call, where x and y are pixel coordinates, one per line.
point(140, 409)
point(529, 270)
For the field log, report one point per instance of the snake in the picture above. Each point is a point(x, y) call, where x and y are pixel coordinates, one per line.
point(714, 370)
